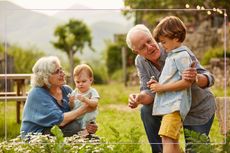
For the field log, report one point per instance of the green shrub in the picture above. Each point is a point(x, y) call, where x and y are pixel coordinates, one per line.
point(118, 75)
point(100, 74)
point(214, 52)
point(113, 56)
point(127, 143)
point(220, 92)
point(57, 143)
point(201, 143)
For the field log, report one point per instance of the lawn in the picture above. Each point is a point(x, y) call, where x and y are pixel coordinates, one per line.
point(117, 122)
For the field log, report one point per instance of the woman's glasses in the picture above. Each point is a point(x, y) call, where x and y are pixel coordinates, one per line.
point(59, 71)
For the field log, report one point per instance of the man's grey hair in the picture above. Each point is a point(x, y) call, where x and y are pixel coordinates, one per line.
point(137, 28)
point(42, 69)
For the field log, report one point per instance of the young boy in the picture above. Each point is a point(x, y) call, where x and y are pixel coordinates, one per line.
point(84, 93)
point(173, 95)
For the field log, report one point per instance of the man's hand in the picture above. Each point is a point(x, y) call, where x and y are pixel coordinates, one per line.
point(190, 74)
point(140, 98)
point(133, 101)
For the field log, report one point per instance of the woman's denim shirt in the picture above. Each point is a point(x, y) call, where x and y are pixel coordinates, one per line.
point(42, 111)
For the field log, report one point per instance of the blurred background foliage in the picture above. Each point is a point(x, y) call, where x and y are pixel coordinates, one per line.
point(108, 67)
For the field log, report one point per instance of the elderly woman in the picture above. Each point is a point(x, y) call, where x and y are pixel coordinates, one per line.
point(47, 102)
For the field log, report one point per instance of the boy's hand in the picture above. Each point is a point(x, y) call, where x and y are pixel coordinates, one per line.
point(155, 87)
point(151, 81)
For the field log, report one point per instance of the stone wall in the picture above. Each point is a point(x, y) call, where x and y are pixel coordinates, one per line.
point(205, 36)
point(219, 67)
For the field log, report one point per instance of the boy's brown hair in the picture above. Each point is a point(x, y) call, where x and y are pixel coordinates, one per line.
point(83, 67)
point(170, 27)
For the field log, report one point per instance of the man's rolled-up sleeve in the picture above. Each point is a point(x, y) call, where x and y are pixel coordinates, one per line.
point(143, 76)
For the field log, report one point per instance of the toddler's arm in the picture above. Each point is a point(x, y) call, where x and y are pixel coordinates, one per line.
point(90, 102)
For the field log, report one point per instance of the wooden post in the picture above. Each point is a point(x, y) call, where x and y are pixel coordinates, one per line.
point(20, 92)
point(6, 85)
point(223, 113)
point(124, 67)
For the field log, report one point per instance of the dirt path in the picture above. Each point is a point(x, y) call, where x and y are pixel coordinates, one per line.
point(119, 107)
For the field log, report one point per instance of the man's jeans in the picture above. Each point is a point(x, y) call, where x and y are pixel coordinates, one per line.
point(152, 126)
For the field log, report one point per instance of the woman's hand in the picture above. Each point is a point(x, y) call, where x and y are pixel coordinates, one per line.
point(71, 99)
point(91, 128)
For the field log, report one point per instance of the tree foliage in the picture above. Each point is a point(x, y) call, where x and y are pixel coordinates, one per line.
point(146, 15)
point(24, 59)
point(113, 60)
point(71, 38)
point(114, 56)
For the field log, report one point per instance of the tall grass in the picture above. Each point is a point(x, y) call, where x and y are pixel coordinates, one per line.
point(8, 126)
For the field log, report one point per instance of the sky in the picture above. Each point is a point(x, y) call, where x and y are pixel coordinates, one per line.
point(51, 5)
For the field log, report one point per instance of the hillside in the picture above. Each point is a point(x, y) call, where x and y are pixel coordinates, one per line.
point(28, 28)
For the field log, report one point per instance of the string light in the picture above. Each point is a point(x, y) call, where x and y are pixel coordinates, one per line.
point(198, 7)
point(209, 12)
point(187, 6)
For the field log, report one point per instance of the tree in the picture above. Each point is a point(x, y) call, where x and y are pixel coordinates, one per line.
point(22, 64)
point(114, 56)
point(71, 38)
point(148, 17)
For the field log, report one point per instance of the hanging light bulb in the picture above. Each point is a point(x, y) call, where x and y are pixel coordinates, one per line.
point(187, 6)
